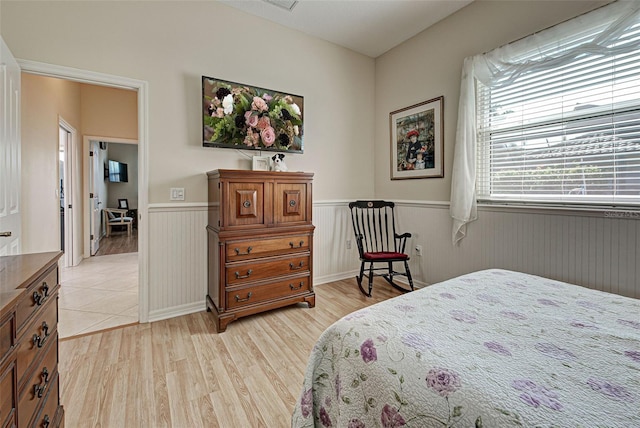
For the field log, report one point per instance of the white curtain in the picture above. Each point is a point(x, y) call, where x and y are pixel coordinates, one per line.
point(505, 64)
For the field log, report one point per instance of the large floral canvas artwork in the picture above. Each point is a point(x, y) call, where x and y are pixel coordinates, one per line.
point(246, 117)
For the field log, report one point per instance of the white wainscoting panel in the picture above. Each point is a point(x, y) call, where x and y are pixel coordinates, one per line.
point(331, 258)
point(593, 249)
point(590, 249)
point(177, 259)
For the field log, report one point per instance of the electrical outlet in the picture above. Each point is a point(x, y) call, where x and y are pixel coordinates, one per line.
point(419, 250)
point(348, 244)
point(176, 194)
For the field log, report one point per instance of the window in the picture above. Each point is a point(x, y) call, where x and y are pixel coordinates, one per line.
point(567, 129)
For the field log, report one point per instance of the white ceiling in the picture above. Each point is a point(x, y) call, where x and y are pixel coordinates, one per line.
point(370, 27)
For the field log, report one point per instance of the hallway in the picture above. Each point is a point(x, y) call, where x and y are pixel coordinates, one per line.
point(98, 294)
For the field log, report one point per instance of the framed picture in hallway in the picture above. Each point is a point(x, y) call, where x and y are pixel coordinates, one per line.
point(123, 204)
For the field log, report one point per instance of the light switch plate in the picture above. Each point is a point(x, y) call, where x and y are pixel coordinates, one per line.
point(176, 194)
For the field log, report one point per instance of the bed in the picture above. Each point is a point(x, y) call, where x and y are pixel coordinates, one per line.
point(493, 348)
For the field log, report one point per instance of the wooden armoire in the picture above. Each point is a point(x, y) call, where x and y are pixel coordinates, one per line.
point(260, 242)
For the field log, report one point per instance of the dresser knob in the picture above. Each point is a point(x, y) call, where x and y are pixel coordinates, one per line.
point(292, 203)
point(238, 253)
point(292, 245)
point(39, 341)
point(238, 299)
point(246, 204)
point(40, 298)
point(300, 266)
point(238, 276)
point(38, 390)
point(296, 288)
point(45, 421)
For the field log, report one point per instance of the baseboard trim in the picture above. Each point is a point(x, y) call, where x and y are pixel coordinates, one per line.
point(352, 274)
point(177, 311)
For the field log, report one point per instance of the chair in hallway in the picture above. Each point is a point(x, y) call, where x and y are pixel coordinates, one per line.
point(378, 243)
point(116, 217)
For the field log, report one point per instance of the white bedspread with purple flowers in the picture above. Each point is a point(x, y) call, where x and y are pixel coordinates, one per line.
point(489, 349)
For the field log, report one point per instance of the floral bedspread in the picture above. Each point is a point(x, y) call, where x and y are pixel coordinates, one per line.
point(490, 349)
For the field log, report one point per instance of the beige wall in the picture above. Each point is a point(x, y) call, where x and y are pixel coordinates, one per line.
point(172, 44)
point(91, 110)
point(44, 100)
point(429, 65)
point(109, 112)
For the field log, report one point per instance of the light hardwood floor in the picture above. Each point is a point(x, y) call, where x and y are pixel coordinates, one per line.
point(180, 373)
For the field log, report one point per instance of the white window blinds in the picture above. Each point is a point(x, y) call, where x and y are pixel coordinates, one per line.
point(552, 118)
point(565, 127)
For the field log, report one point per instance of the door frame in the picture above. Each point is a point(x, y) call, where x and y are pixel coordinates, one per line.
point(72, 225)
point(142, 88)
point(86, 159)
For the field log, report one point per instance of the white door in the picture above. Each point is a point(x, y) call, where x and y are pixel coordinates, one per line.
point(94, 216)
point(9, 153)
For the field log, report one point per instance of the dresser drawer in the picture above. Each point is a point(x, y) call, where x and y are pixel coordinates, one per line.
point(48, 416)
point(35, 337)
point(7, 338)
point(274, 290)
point(40, 292)
point(38, 386)
point(7, 394)
point(238, 250)
point(267, 268)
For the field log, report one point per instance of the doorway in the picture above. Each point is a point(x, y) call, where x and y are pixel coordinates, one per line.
point(141, 88)
point(113, 189)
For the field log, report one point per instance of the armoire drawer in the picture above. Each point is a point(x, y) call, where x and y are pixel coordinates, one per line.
point(38, 386)
point(39, 293)
point(36, 335)
point(239, 250)
point(274, 290)
point(240, 273)
point(48, 415)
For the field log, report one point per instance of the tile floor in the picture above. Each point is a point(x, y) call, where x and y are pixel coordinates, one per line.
point(100, 293)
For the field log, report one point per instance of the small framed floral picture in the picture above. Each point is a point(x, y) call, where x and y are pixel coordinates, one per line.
point(417, 140)
point(260, 163)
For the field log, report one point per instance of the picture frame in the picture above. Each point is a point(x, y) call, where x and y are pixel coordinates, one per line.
point(123, 204)
point(417, 140)
point(260, 163)
point(240, 116)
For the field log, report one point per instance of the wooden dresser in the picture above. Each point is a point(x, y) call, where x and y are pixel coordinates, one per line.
point(260, 242)
point(29, 384)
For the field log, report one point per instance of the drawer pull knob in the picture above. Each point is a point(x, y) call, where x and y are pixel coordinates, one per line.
point(238, 299)
point(238, 276)
point(296, 288)
point(45, 421)
point(45, 328)
point(39, 341)
point(292, 245)
point(40, 298)
point(238, 253)
point(38, 390)
point(246, 204)
point(292, 203)
point(300, 266)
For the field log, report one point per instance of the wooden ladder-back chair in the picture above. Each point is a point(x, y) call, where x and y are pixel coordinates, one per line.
point(377, 240)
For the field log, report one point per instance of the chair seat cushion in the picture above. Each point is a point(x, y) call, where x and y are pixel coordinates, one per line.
point(384, 255)
point(118, 220)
